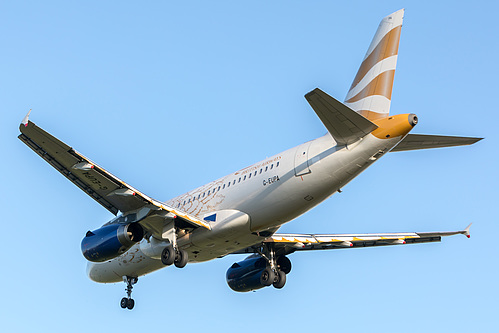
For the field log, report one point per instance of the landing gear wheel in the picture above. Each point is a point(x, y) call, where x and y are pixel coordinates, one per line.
point(280, 280)
point(128, 302)
point(267, 277)
point(168, 255)
point(181, 258)
point(124, 302)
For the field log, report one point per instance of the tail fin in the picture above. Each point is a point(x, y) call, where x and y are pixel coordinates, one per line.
point(371, 90)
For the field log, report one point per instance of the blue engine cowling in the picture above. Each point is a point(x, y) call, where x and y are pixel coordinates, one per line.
point(245, 275)
point(110, 241)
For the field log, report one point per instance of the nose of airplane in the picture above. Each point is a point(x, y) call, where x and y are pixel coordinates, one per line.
point(91, 271)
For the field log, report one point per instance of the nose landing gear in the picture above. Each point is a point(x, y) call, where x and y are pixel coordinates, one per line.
point(128, 302)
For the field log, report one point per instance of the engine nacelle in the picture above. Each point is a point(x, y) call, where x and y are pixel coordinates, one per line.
point(246, 275)
point(110, 241)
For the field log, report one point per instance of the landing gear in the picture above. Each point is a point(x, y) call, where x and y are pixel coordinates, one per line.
point(128, 302)
point(277, 267)
point(280, 280)
point(267, 277)
point(170, 256)
point(181, 258)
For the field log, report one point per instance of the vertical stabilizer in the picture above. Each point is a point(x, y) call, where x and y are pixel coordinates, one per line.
point(371, 90)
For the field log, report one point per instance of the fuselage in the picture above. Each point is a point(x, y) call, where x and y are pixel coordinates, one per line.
point(255, 201)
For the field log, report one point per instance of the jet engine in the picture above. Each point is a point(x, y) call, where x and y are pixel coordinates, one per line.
point(110, 241)
point(247, 275)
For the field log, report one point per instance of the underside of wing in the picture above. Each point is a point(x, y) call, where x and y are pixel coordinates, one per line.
point(423, 141)
point(108, 190)
point(289, 243)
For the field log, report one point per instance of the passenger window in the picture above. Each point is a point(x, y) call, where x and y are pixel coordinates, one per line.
point(249, 176)
point(266, 168)
point(277, 164)
point(223, 187)
point(261, 170)
point(234, 183)
point(271, 166)
point(209, 192)
point(256, 172)
point(239, 180)
point(189, 201)
point(228, 184)
point(203, 194)
point(219, 187)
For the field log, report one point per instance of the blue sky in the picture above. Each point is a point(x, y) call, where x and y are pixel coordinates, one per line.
point(172, 96)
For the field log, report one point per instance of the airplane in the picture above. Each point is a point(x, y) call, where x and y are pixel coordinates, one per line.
point(242, 212)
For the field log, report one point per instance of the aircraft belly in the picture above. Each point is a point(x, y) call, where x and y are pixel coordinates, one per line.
point(132, 263)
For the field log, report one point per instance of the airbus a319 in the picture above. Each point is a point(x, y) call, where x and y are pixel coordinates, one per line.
point(242, 212)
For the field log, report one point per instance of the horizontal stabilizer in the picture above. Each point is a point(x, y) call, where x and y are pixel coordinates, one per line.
point(345, 125)
point(423, 141)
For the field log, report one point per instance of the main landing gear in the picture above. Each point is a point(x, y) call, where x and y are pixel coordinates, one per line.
point(128, 302)
point(277, 268)
point(170, 255)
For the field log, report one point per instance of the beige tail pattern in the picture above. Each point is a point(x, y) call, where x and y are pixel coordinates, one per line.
point(371, 90)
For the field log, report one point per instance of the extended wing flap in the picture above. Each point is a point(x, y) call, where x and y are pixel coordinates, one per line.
point(108, 190)
point(424, 141)
point(345, 125)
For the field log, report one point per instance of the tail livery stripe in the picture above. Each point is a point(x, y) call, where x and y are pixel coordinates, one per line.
point(381, 85)
point(371, 90)
point(387, 47)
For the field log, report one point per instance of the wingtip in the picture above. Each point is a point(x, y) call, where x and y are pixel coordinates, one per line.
point(26, 119)
point(466, 230)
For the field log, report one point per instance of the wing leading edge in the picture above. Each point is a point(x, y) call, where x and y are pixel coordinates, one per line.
point(108, 190)
point(289, 243)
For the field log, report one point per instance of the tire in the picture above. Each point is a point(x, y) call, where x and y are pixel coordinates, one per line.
point(267, 277)
point(181, 259)
point(280, 280)
point(130, 304)
point(168, 255)
point(124, 302)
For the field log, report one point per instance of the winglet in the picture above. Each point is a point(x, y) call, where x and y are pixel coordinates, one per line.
point(467, 230)
point(26, 119)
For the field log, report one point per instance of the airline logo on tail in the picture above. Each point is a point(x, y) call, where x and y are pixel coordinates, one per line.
point(371, 90)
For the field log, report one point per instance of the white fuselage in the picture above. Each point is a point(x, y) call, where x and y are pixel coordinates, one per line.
point(279, 189)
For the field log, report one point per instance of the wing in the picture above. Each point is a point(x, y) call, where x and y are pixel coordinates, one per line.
point(108, 190)
point(289, 243)
point(424, 141)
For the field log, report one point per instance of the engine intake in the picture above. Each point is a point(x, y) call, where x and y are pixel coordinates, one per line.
point(110, 241)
